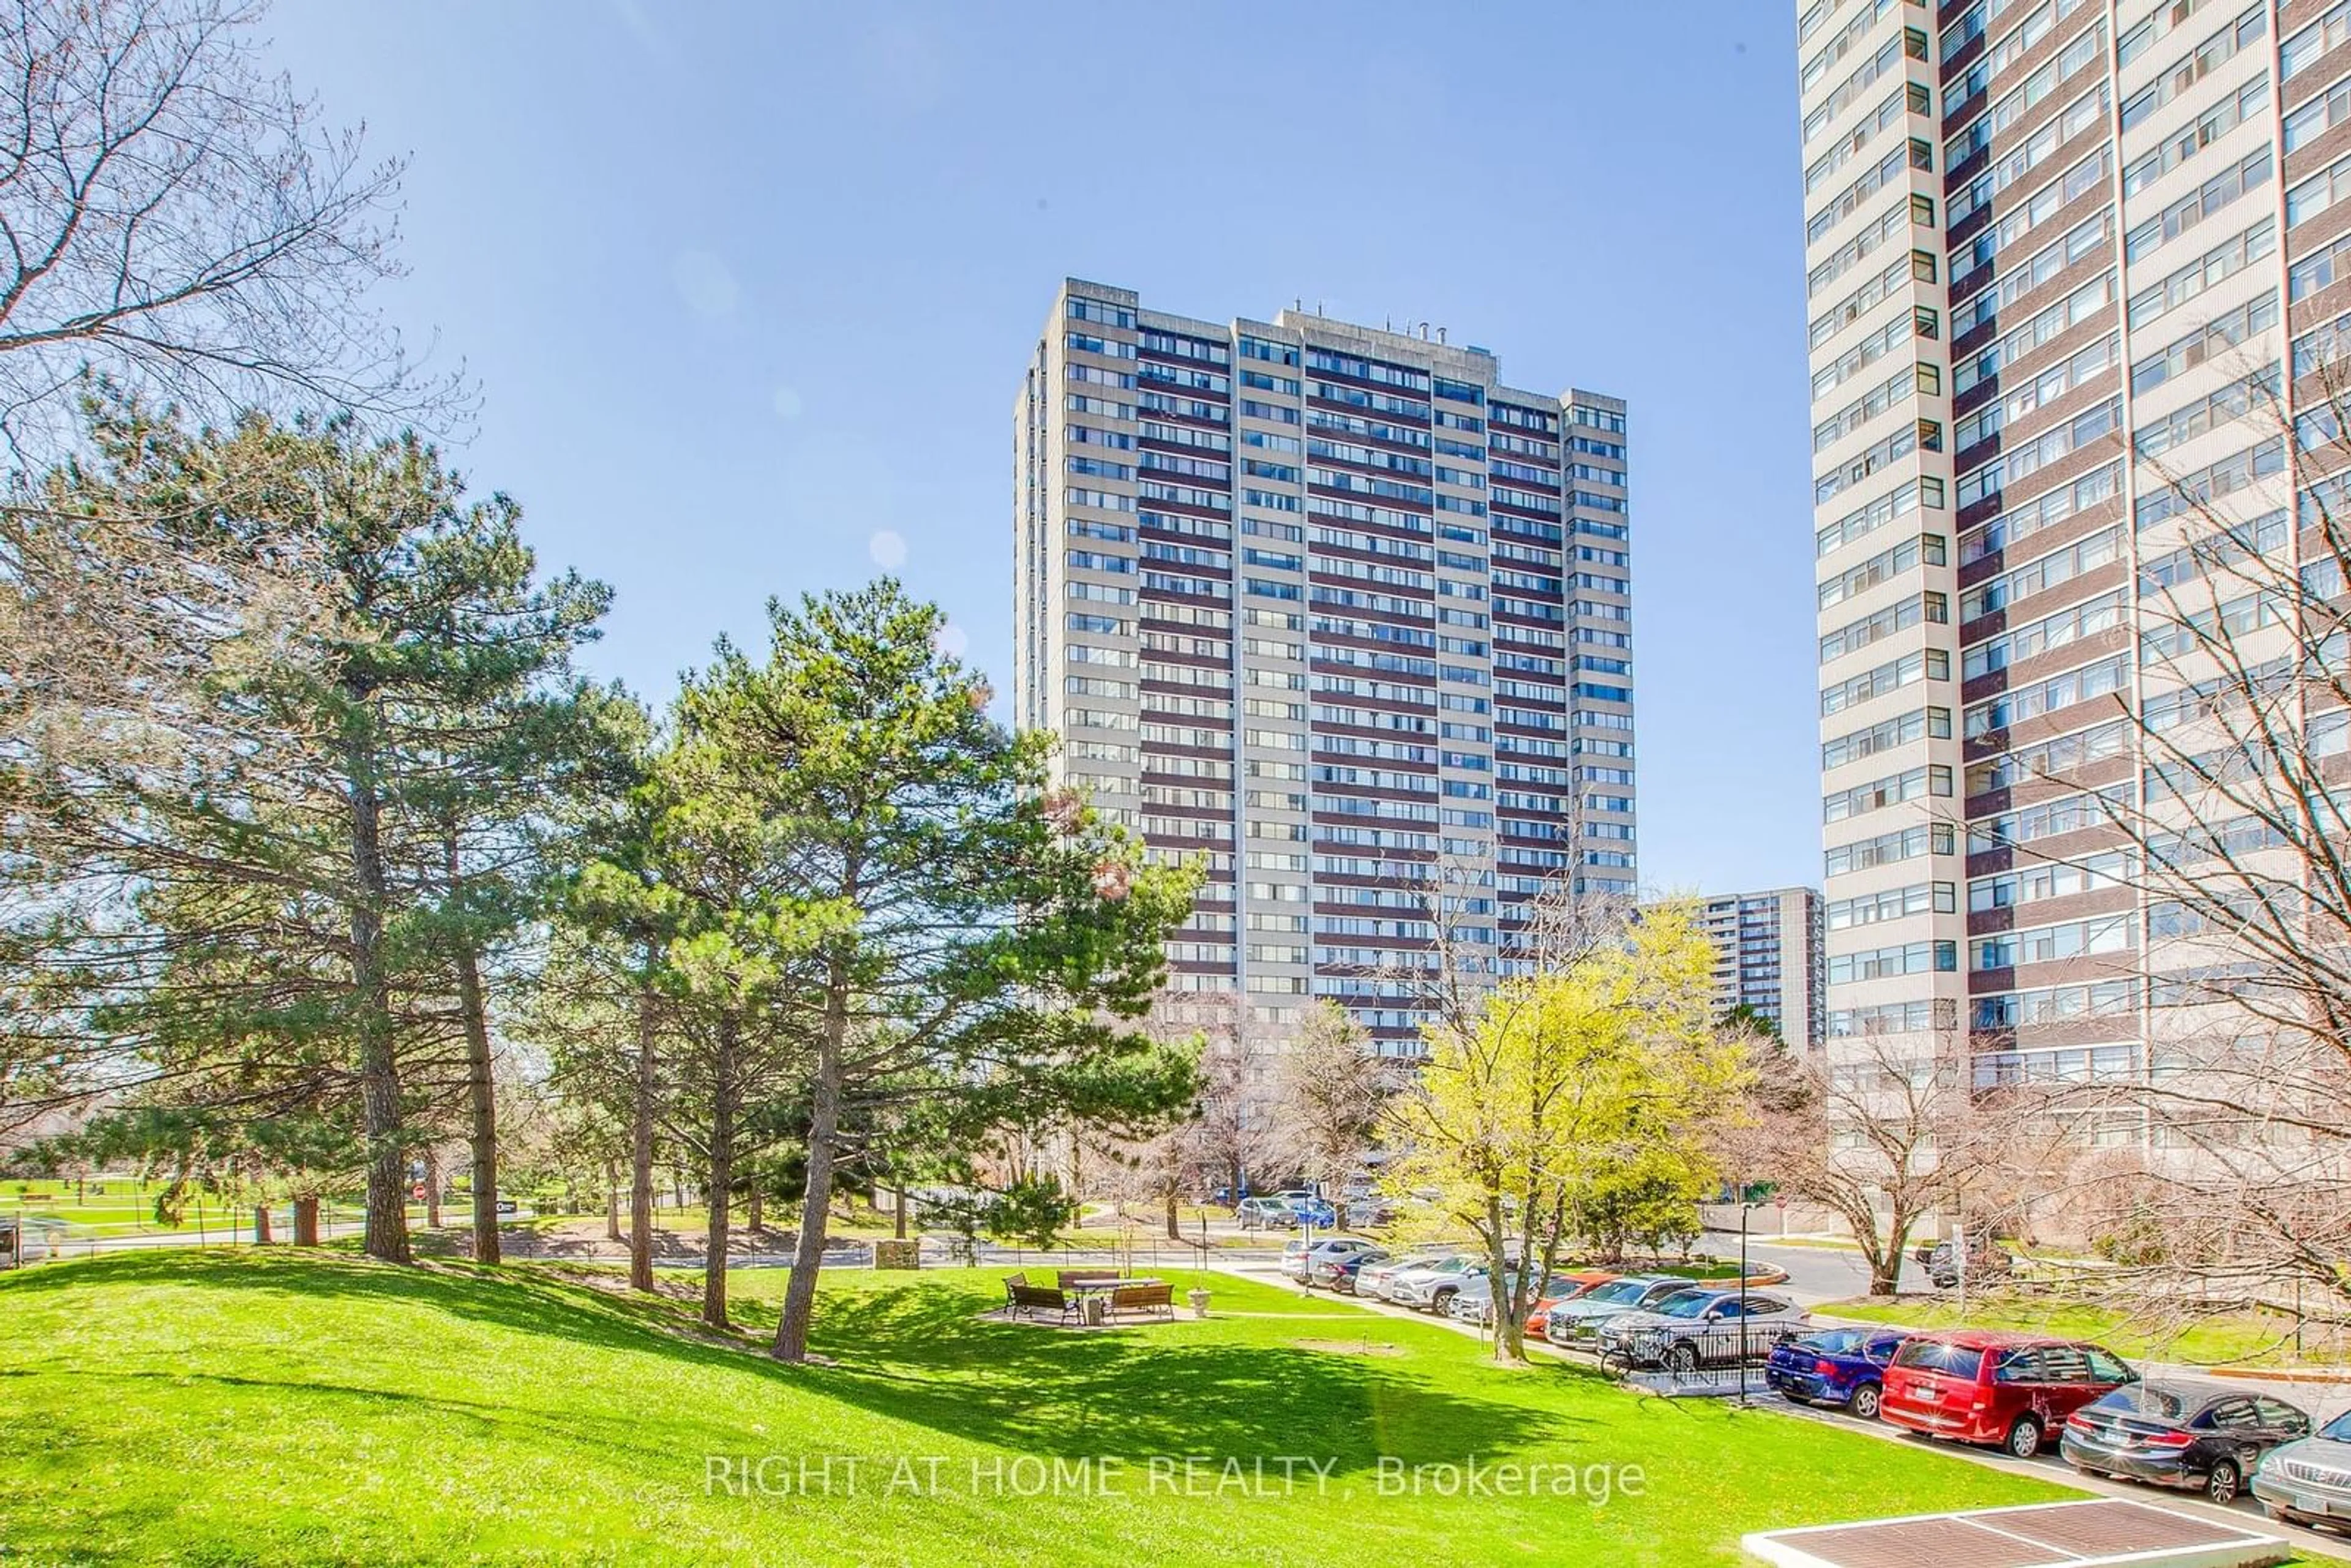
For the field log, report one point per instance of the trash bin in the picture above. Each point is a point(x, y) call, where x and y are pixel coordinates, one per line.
point(1095, 1310)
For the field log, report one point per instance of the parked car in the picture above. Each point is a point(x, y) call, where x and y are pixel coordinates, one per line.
point(1371, 1280)
point(1430, 1288)
point(1339, 1273)
point(2012, 1389)
point(1986, 1260)
point(1701, 1328)
point(1576, 1322)
point(1265, 1214)
point(1474, 1302)
point(2179, 1432)
point(1579, 1282)
point(2309, 1482)
point(1300, 1254)
point(1314, 1211)
point(1835, 1367)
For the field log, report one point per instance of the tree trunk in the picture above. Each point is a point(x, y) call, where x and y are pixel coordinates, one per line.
point(754, 1220)
point(1175, 1220)
point(611, 1200)
point(433, 1189)
point(481, 1096)
point(899, 1224)
point(1885, 1268)
point(1510, 1330)
point(379, 1067)
point(306, 1222)
point(722, 1175)
point(641, 1148)
point(824, 1122)
point(261, 1224)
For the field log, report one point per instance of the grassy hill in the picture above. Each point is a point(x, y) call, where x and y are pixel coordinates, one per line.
point(223, 1407)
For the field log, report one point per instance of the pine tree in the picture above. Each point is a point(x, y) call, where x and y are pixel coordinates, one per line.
point(268, 824)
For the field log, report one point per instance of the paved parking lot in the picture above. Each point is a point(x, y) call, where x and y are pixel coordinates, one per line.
point(1819, 1283)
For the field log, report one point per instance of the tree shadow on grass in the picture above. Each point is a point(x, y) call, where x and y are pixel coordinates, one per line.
point(516, 1298)
point(625, 1437)
point(919, 1353)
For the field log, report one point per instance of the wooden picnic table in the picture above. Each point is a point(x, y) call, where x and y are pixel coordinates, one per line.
point(1092, 1287)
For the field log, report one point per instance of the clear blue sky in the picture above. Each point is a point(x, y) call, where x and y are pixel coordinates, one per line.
point(745, 286)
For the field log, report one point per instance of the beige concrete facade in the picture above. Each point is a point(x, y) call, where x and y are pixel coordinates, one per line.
point(1767, 955)
point(1326, 608)
point(2059, 255)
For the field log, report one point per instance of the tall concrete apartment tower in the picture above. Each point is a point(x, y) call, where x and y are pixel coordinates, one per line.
point(1767, 956)
point(2052, 250)
point(1325, 607)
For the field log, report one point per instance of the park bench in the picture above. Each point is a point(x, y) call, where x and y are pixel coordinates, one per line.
point(1143, 1298)
point(1070, 1279)
point(1035, 1299)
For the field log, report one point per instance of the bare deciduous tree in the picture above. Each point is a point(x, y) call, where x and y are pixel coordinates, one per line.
point(2227, 1180)
point(1331, 1089)
point(1884, 1131)
point(175, 215)
point(1233, 1138)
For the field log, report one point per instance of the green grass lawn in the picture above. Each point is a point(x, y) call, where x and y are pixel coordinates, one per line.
point(2236, 1339)
point(241, 1407)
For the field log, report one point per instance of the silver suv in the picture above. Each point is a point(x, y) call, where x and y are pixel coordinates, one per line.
point(1701, 1329)
point(1574, 1322)
point(2309, 1482)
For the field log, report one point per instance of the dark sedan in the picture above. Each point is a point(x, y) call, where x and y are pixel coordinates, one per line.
point(1836, 1366)
point(1339, 1273)
point(2177, 1432)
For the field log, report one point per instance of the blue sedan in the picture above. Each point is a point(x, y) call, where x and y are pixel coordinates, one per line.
point(1314, 1211)
point(1834, 1366)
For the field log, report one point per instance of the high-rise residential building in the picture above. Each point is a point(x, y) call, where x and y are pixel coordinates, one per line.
point(1327, 608)
point(1767, 955)
point(2058, 255)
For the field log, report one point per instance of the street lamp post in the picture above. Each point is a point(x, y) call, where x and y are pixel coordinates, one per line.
point(1741, 1357)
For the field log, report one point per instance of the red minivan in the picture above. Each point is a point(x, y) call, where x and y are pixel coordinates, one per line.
point(2012, 1389)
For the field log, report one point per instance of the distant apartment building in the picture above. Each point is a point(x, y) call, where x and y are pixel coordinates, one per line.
point(1767, 956)
point(1324, 607)
point(2061, 258)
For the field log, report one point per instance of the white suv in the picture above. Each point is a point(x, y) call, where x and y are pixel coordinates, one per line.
point(1474, 1302)
point(1432, 1287)
point(1373, 1280)
point(1299, 1255)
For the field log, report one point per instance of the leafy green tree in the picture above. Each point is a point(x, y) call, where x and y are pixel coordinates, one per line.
point(615, 916)
point(737, 958)
point(269, 835)
point(522, 754)
point(1033, 1211)
point(1529, 1121)
point(933, 923)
